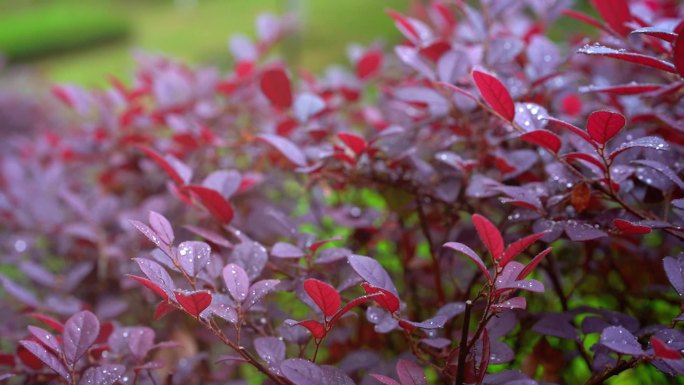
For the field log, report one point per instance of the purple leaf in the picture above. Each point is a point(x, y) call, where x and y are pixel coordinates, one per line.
point(258, 291)
point(555, 325)
point(435, 322)
point(107, 374)
point(307, 105)
point(149, 233)
point(410, 373)
point(38, 273)
point(663, 169)
point(674, 269)
point(237, 281)
point(286, 250)
point(19, 293)
point(620, 340)
point(302, 372)
point(335, 376)
point(512, 303)
point(384, 379)
point(270, 349)
point(251, 256)
point(157, 274)
point(140, 340)
point(46, 338)
point(286, 147)
point(80, 332)
point(47, 358)
point(372, 272)
point(579, 231)
point(653, 142)
point(193, 256)
point(468, 252)
point(162, 227)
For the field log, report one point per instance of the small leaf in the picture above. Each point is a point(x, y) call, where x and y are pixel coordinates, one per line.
point(270, 349)
point(587, 158)
point(325, 296)
point(162, 227)
point(302, 372)
point(628, 227)
point(157, 274)
point(286, 250)
point(275, 84)
point(107, 374)
point(386, 300)
point(665, 34)
point(616, 14)
point(495, 94)
point(51, 322)
point(678, 53)
point(308, 105)
point(518, 247)
point(533, 263)
point(214, 202)
point(80, 332)
point(47, 358)
point(369, 64)
point(149, 284)
point(663, 169)
point(574, 129)
point(46, 338)
point(544, 138)
point(193, 302)
point(652, 142)
point(620, 340)
point(489, 235)
point(285, 147)
point(352, 304)
point(604, 125)
point(316, 328)
point(193, 256)
point(410, 373)
point(632, 57)
point(663, 351)
point(237, 281)
point(258, 291)
point(354, 142)
point(372, 272)
point(468, 252)
point(163, 308)
point(435, 322)
point(674, 269)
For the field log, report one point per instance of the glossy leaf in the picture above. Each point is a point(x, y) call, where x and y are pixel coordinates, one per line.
point(410, 373)
point(157, 275)
point(468, 252)
point(661, 350)
point(620, 340)
point(544, 138)
point(270, 349)
point(193, 302)
point(46, 338)
point(151, 285)
point(107, 374)
point(616, 14)
point(632, 57)
point(302, 372)
point(517, 247)
point(162, 227)
point(258, 291)
point(604, 125)
point(324, 296)
point(628, 227)
point(489, 235)
point(47, 358)
point(495, 94)
point(316, 328)
point(237, 281)
point(80, 332)
point(214, 202)
point(678, 53)
point(372, 272)
point(674, 269)
point(386, 299)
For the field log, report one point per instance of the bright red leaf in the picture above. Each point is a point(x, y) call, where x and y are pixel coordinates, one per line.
point(162, 309)
point(604, 125)
point(151, 285)
point(275, 84)
point(490, 235)
point(495, 94)
point(51, 322)
point(533, 263)
point(315, 327)
point(324, 296)
point(193, 302)
point(544, 138)
point(353, 141)
point(214, 202)
point(616, 14)
point(663, 351)
point(518, 247)
point(628, 227)
point(369, 64)
point(678, 54)
point(386, 299)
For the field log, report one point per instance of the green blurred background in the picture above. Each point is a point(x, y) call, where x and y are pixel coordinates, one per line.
point(83, 41)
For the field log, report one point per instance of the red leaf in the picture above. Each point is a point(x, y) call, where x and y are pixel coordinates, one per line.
point(495, 94)
point(518, 246)
point(316, 329)
point(149, 284)
point(628, 227)
point(583, 18)
point(354, 142)
point(317, 245)
point(657, 32)
point(533, 263)
point(275, 84)
point(404, 24)
point(587, 158)
point(632, 57)
point(325, 296)
point(387, 300)
point(162, 309)
point(576, 130)
point(349, 306)
point(624, 89)
point(490, 235)
point(604, 125)
point(286, 147)
point(468, 252)
point(49, 321)
point(163, 163)
point(678, 53)
point(616, 14)
point(369, 64)
point(193, 302)
point(214, 202)
point(663, 351)
point(544, 138)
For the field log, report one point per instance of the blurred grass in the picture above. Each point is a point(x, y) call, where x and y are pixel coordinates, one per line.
point(198, 33)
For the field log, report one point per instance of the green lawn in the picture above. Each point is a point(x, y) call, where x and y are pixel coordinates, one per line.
point(199, 34)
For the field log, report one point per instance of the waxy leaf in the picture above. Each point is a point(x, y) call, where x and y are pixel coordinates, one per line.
point(410, 373)
point(623, 89)
point(495, 94)
point(316, 328)
point(324, 296)
point(302, 372)
point(518, 247)
point(468, 252)
point(666, 34)
point(157, 274)
point(47, 358)
point(270, 349)
point(604, 125)
point(544, 138)
point(619, 339)
point(80, 332)
point(628, 227)
point(193, 302)
point(162, 227)
point(385, 299)
point(674, 269)
point(286, 250)
point(46, 338)
point(151, 285)
point(258, 291)
point(237, 281)
point(107, 374)
point(275, 84)
point(632, 57)
point(372, 272)
point(369, 64)
point(661, 350)
point(193, 256)
point(489, 235)
point(286, 147)
point(214, 202)
point(652, 142)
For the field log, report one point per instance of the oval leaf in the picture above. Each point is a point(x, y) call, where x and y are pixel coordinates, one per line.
point(80, 332)
point(495, 94)
point(325, 296)
point(237, 281)
point(544, 138)
point(193, 302)
point(468, 252)
point(275, 84)
point(372, 272)
point(489, 235)
point(619, 339)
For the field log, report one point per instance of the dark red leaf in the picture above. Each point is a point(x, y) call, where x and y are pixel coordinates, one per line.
point(162, 309)
point(616, 14)
point(667, 35)
point(587, 158)
point(604, 125)
point(354, 142)
point(369, 64)
point(533, 263)
point(518, 246)
point(628, 227)
point(151, 285)
point(404, 24)
point(386, 299)
point(317, 245)
point(678, 53)
point(495, 94)
point(663, 351)
point(632, 57)
point(574, 129)
point(162, 162)
point(325, 296)
point(275, 84)
point(51, 322)
point(193, 302)
point(214, 202)
point(624, 89)
point(351, 305)
point(317, 330)
point(490, 235)
point(544, 138)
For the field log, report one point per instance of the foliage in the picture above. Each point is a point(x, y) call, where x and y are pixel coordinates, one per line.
point(481, 206)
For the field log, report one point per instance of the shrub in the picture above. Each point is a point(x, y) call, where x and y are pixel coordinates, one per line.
point(490, 208)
